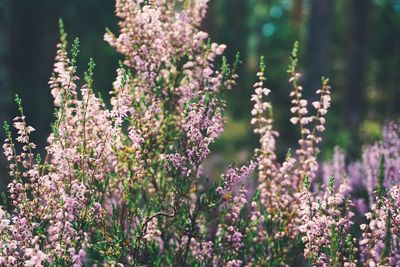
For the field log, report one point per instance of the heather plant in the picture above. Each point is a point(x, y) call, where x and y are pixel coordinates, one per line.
point(123, 184)
point(377, 174)
point(326, 221)
point(114, 179)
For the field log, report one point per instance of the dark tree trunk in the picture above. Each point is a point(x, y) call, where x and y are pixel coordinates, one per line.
point(233, 29)
point(319, 43)
point(231, 20)
point(4, 52)
point(355, 91)
point(4, 78)
point(297, 12)
point(208, 23)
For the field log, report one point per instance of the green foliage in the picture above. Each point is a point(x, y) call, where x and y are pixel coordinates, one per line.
point(63, 34)
point(75, 53)
point(387, 251)
point(331, 184)
point(89, 73)
point(381, 178)
point(18, 101)
point(293, 58)
point(6, 128)
point(307, 183)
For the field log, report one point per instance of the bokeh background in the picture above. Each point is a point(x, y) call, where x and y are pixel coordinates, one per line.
point(354, 42)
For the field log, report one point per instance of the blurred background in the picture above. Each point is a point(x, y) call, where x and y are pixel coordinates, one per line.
point(356, 43)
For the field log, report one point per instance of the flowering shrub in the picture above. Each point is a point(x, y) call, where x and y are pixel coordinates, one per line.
point(123, 184)
point(374, 189)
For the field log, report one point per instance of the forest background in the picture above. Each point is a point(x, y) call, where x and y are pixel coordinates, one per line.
point(356, 43)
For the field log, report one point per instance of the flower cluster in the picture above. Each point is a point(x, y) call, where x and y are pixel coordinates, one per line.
point(307, 151)
point(275, 210)
point(380, 238)
point(363, 174)
point(325, 227)
point(166, 110)
point(377, 173)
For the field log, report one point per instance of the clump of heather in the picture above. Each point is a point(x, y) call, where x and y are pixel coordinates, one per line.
point(364, 173)
point(277, 203)
point(325, 226)
point(380, 238)
point(377, 174)
point(123, 184)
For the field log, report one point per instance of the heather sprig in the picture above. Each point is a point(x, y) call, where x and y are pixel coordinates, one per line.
point(280, 183)
point(325, 227)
